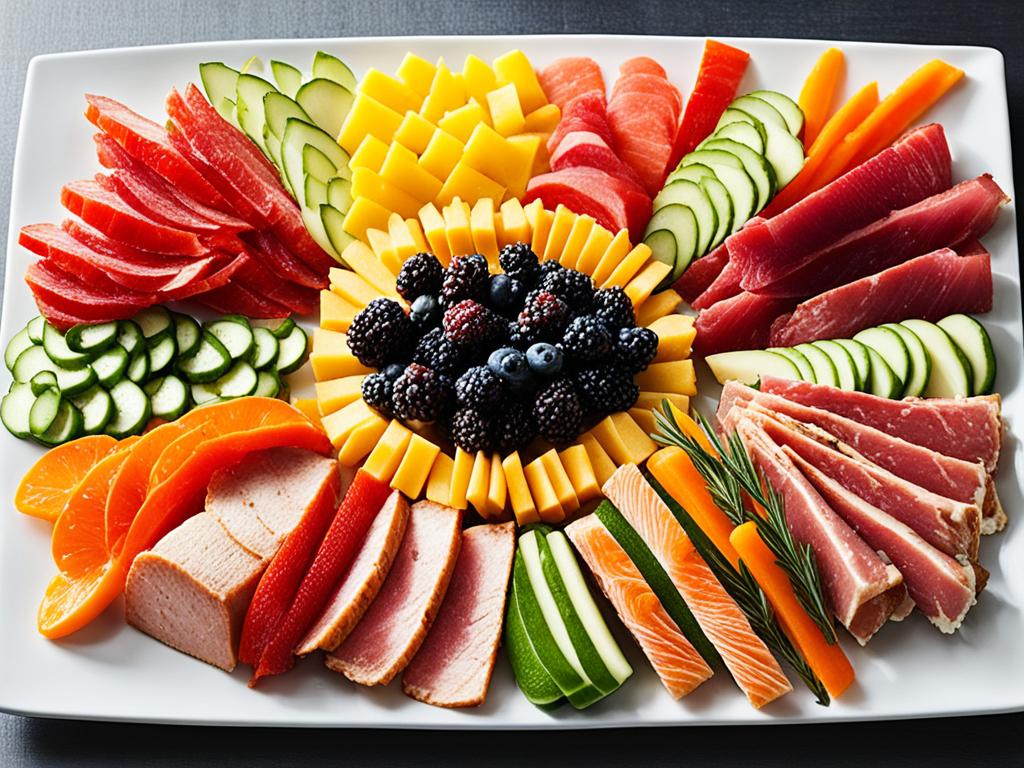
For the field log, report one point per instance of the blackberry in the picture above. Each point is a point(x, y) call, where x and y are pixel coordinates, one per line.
point(606, 389)
point(480, 388)
point(587, 339)
point(421, 274)
point(420, 393)
point(380, 333)
point(469, 430)
point(466, 277)
point(438, 352)
point(557, 412)
point(614, 308)
point(574, 288)
point(520, 263)
point(550, 267)
point(636, 347)
point(470, 324)
point(544, 318)
point(377, 391)
point(514, 427)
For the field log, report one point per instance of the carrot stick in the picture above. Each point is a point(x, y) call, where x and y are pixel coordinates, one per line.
point(692, 429)
point(819, 91)
point(827, 661)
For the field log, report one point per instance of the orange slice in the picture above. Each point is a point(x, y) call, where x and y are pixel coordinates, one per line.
point(46, 487)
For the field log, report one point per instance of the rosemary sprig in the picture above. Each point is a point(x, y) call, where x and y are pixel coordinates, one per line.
point(728, 476)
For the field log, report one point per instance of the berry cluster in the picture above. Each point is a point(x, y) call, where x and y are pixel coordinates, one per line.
point(499, 359)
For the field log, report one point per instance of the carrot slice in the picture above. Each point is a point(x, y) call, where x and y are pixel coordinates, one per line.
point(47, 486)
point(827, 661)
point(819, 91)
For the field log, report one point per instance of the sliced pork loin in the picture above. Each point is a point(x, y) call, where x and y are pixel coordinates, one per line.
point(393, 629)
point(862, 590)
point(192, 589)
point(360, 586)
point(453, 667)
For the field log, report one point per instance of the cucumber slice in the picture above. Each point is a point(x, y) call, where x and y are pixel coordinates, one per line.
point(129, 336)
point(280, 327)
point(187, 334)
point(743, 132)
point(203, 394)
point(90, 339)
point(168, 397)
point(132, 409)
point(239, 381)
point(326, 102)
point(249, 93)
point(155, 322)
point(333, 68)
point(97, 407)
point(785, 106)
point(35, 329)
point(161, 355)
point(919, 370)
point(226, 109)
point(278, 109)
point(268, 384)
point(973, 340)
point(729, 171)
point(19, 343)
point(531, 676)
point(71, 381)
point(297, 134)
point(951, 374)
point(784, 153)
point(339, 193)
point(15, 408)
point(313, 190)
point(44, 411)
point(287, 77)
point(66, 426)
point(755, 165)
point(889, 346)
point(846, 370)
point(265, 353)
point(861, 360)
point(42, 381)
point(237, 339)
point(57, 349)
point(824, 368)
point(111, 365)
point(732, 115)
point(293, 351)
point(681, 223)
point(333, 222)
point(138, 367)
point(208, 362)
point(690, 194)
point(219, 81)
point(762, 110)
point(663, 243)
point(316, 164)
point(748, 366)
point(883, 382)
point(799, 360)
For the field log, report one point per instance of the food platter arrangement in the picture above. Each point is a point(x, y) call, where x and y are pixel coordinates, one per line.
point(512, 382)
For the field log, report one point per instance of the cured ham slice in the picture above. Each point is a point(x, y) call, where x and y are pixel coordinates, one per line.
point(862, 590)
point(742, 321)
point(929, 287)
point(748, 659)
point(676, 662)
point(453, 667)
point(394, 627)
point(95, 302)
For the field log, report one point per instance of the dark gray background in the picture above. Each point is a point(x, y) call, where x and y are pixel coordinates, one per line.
point(30, 27)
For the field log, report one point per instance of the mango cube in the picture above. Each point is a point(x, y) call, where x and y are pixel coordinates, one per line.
point(515, 68)
point(544, 497)
point(519, 495)
point(560, 482)
point(470, 185)
point(434, 230)
point(331, 358)
point(674, 376)
point(365, 263)
point(363, 215)
point(414, 469)
point(369, 154)
point(368, 116)
point(601, 462)
point(351, 287)
point(643, 285)
point(481, 222)
point(491, 154)
point(629, 266)
point(401, 167)
point(543, 119)
point(383, 249)
point(332, 394)
point(506, 111)
point(514, 227)
point(659, 305)
point(417, 73)
point(526, 148)
point(440, 481)
point(497, 490)
point(462, 471)
point(575, 241)
point(675, 337)
point(336, 313)
point(540, 224)
point(390, 92)
point(561, 226)
point(612, 257)
point(447, 92)
point(442, 154)
point(479, 79)
point(457, 228)
point(636, 439)
point(594, 248)
point(415, 132)
point(339, 425)
point(309, 408)
point(479, 478)
point(383, 461)
point(361, 440)
point(371, 185)
point(461, 122)
point(581, 472)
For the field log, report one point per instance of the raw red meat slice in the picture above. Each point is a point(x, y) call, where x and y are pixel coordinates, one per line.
point(642, 127)
point(211, 282)
point(255, 276)
point(67, 294)
point(929, 287)
point(566, 78)
point(614, 203)
point(641, 65)
point(108, 213)
point(911, 170)
point(725, 286)
point(589, 104)
point(235, 299)
point(576, 124)
point(701, 273)
point(61, 319)
point(582, 148)
point(657, 86)
point(147, 142)
point(740, 322)
point(268, 249)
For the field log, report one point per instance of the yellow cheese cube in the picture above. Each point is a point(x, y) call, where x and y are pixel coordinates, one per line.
point(331, 358)
point(366, 183)
point(457, 227)
point(335, 313)
point(637, 441)
point(561, 226)
point(575, 241)
point(543, 119)
point(333, 394)
point(390, 92)
point(479, 79)
point(519, 494)
point(462, 470)
point(470, 185)
point(485, 241)
point(644, 418)
point(416, 73)
point(659, 305)
point(497, 490)
point(514, 67)
point(506, 112)
point(351, 287)
point(674, 376)
point(612, 257)
point(439, 483)
point(602, 463)
point(383, 249)
point(401, 167)
point(415, 132)
point(479, 478)
point(363, 215)
point(368, 116)
point(412, 472)
point(370, 154)
point(610, 439)
point(339, 425)
point(513, 227)
point(653, 400)
point(447, 92)
point(541, 226)
point(434, 230)
point(402, 241)
point(461, 122)
point(309, 407)
point(629, 266)
point(643, 285)
point(543, 493)
point(675, 337)
point(581, 472)
point(560, 482)
point(526, 148)
point(491, 154)
point(364, 262)
point(442, 154)
point(361, 440)
point(416, 234)
point(593, 249)
point(384, 459)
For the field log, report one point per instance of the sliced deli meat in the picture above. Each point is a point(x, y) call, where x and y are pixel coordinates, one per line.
point(453, 666)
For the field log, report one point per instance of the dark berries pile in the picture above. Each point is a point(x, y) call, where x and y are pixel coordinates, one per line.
point(500, 359)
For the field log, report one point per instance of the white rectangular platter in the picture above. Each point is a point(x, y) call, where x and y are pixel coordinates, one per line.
point(110, 671)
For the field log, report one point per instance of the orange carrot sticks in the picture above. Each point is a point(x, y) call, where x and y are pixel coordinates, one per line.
point(819, 92)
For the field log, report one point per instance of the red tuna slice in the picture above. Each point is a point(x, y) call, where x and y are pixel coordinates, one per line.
point(614, 203)
point(968, 428)
point(964, 212)
point(701, 273)
point(582, 148)
point(861, 589)
point(942, 588)
point(929, 287)
point(740, 322)
point(278, 259)
point(111, 215)
point(255, 276)
point(66, 293)
point(913, 169)
point(202, 285)
point(971, 248)
point(61, 319)
point(725, 286)
point(567, 78)
point(642, 127)
point(591, 103)
point(235, 299)
point(147, 142)
point(641, 65)
point(653, 85)
point(579, 123)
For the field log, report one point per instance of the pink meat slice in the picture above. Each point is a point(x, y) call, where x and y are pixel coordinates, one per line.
point(929, 287)
point(968, 428)
point(255, 276)
point(742, 321)
point(271, 252)
point(615, 203)
point(586, 112)
point(453, 666)
point(725, 286)
point(394, 628)
point(568, 77)
point(942, 587)
point(651, 84)
point(642, 129)
point(862, 590)
point(93, 302)
point(233, 298)
point(965, 212)
point(916, 167)
point(583, 148)
point(642, 65)
point(702, 273)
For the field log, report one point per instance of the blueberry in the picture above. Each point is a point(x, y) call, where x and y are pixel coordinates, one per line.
point(506, 294)
point(544, 359)
point(425, 312)
point(509, 364)
point(393, 371)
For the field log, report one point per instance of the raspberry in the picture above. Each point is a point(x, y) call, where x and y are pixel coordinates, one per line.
point(420, 275)
point(466, 277)
point(480, 388)
point(380, 333)
point(636, 347)
point(544, 318)
point(471, 324)
point(377, 391)
point(420, 393)
point(606, 389)
point(514, 428)
point(574, 288)
point(557, 412)
point(587, 339)
point(614, 308)
point(469, 430)
point(520, 263)
point(437, 351)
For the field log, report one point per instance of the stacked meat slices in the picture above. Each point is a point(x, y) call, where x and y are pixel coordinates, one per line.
point(891, 496)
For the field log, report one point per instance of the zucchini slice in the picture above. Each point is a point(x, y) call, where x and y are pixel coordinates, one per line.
point(155, 322)
point(266, 349)
point(824, 368)
point(111, 365)
point(15, 408)
point(333, 68)
point(919, 369)
point(268, 384)
point(138, 367)
point(42, 381)
point(287, 77)
point(748, 366)
point(861, 360)
point(44, 411)
point(35, 329)
point(187, 334)
point(168, 397)
point(890, 347)
point(846, 371)
point(129, 336)
point(162, 354)
point(66, 426)
point(799, 360)
point(680, 222)
point(208, 362)
point(531, 676)
point(293, 351)
point(236, 337)
point(694, 197)
point(883, 381)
